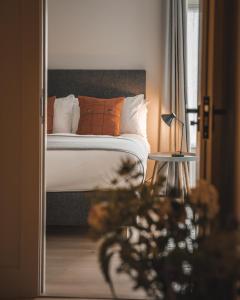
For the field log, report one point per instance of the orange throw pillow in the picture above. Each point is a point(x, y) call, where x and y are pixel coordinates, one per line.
point(50, 112)
point(100, 116)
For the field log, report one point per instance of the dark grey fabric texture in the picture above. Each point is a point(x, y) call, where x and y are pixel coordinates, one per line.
point(96, 83)
point(68, 208)
point(71, 208)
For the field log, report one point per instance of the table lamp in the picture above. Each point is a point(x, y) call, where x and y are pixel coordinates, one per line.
point(168, 118)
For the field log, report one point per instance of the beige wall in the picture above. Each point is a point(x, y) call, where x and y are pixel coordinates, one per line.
point(109, 34)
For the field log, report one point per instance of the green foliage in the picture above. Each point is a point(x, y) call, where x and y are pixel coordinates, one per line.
point(174, 249)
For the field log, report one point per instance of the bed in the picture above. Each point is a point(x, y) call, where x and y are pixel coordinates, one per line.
point(77, 165)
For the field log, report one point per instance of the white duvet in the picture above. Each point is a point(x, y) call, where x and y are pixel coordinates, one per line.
point(84, 163)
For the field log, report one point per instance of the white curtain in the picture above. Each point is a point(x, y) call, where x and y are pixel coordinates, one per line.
point(174, 71)
point(173, 81)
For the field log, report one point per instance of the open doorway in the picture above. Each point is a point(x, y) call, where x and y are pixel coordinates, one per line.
point(75, 166)
point(109, 59)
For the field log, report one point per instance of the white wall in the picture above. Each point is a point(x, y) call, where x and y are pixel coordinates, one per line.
point(109, 34)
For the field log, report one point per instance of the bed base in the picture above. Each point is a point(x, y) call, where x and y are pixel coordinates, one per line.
point(67, 208)
point(71, 208)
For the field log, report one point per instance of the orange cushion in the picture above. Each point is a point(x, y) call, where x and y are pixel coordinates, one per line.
point(50, 112)
point(100, 116)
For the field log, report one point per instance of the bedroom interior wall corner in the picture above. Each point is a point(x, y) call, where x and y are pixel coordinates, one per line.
point(128, 38)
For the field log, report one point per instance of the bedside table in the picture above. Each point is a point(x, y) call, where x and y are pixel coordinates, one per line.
point(177, 174)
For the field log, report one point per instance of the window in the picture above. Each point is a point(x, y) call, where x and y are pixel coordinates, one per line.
point(192, 79)
point(192, 68)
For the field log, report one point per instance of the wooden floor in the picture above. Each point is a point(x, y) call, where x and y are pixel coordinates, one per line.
point(64, 298)
point(72, 269)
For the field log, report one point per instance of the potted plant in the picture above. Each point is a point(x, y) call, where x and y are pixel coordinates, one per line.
point(175, 248)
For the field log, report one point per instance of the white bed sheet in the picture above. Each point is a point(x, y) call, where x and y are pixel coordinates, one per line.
point(84, 163)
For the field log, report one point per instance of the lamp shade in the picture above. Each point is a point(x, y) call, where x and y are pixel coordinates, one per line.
point(168, 118)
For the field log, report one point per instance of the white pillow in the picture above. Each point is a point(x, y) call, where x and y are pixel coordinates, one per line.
point(62, 117)
point(75, 115)
point(134, 116)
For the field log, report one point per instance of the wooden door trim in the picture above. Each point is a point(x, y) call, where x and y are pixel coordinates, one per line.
point(207, 21)
point(32, 258)
point(42, 233)
point(22, 278)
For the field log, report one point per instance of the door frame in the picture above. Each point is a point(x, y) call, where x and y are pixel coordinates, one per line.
point(207, 22)
point(43, 149)
point(206, 88)
point(218, 87)
point(207, 11)
point(21, 54)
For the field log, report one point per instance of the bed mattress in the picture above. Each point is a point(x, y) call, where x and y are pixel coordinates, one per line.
point(86, 163)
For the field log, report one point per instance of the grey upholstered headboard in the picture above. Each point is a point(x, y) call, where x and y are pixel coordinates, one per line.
point(96, 83)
